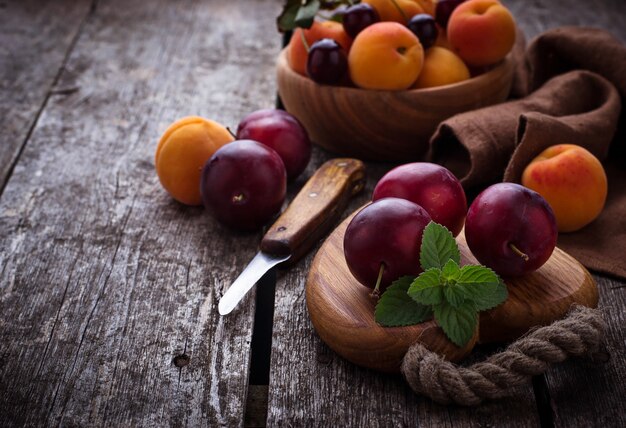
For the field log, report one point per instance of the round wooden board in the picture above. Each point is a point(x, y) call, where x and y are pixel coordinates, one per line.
point(343, 313)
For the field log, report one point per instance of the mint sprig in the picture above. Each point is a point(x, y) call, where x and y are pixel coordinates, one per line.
point(396, 308)
point(438, 246)
point(453, 294)
point(301, 13)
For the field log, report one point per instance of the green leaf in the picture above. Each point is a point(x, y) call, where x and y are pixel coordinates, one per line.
point(499, 295)
point(286, 21)
point(396, 308)
point(427, 288)
point(451, 271)
point(306, 14)
point(454, 295)
point(459, 324)
point(477, 281)
point(438, 246)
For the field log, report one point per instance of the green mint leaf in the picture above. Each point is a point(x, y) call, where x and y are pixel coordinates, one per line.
point(499, 295)
point(451, 292)
point(477, 281)
point(459, 324)
point(454, 295)
point(306, 13)
point(426, 288)
point(396, 308)
point(438, 246)
point(451, 271)
point(286, 21)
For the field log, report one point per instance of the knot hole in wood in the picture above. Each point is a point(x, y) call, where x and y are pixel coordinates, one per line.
point(181, 360)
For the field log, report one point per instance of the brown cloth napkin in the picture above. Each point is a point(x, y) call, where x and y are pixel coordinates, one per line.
point(573, 81)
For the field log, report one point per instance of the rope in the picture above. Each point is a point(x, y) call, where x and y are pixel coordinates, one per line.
point(580, 333)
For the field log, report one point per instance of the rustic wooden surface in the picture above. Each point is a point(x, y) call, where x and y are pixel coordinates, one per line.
point(35, 39)
point(108, 288)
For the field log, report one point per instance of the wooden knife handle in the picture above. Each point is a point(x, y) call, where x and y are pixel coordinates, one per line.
point(315, 209)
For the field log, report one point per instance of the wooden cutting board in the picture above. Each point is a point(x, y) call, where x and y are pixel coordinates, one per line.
point(342, 311)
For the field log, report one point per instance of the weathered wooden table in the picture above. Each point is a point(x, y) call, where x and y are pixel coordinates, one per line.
point(109, 289)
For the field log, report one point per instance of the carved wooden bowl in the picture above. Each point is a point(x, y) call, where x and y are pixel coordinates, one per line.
point(384, 125)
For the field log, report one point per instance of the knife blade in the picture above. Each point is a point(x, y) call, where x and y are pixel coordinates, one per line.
point(307, 219)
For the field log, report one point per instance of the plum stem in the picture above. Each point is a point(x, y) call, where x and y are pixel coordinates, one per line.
point(406, 19)
point(231, 132)
point(376, 292)
point(519, 252)
point(304, 42)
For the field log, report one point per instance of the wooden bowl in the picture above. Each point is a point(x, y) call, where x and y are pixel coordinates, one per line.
point(384, 125)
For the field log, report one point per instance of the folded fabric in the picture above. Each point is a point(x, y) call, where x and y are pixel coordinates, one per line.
point(573, 81)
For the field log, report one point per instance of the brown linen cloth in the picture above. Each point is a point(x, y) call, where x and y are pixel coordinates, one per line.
point(573, 80)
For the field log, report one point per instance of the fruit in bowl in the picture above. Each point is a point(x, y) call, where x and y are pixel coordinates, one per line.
point(299, 51)
point(383, 57)
point(399, 11)
point(482, 32)
point(441, 67)
point(387, 56)
point(402, 83)
point(327, 62)
point(384, 125)
point(358, 17)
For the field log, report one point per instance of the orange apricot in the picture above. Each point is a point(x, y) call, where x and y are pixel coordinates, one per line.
point(441, 67)
point(481, 32)
point(573, 182)
point(397, 10)
point(386, 56)
point(183, 149)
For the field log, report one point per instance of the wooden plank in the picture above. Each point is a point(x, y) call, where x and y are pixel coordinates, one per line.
point(36, 37)
point(108, 288)
point(586, 393)
point(309, 383)
point(538, 16)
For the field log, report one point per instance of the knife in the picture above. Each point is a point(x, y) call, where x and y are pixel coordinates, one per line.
point(310, 215)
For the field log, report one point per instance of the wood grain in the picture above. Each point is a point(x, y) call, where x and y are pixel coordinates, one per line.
point(35, 39)
point(108, 287)
point(384, 125)
point(586, 392)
